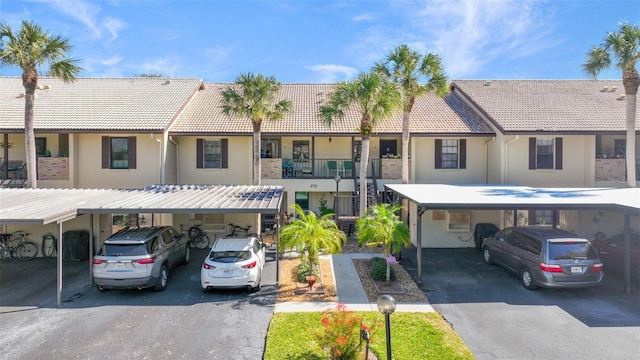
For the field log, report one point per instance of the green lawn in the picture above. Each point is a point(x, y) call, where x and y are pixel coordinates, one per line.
point(413, 336)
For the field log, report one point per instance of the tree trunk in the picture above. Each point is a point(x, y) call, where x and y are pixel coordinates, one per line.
point(364, 162)
point(257, 161)
point(405, 160)
point(30, 81)
point(631, 82)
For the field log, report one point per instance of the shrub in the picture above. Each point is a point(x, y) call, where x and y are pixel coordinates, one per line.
point(303, 271)
point(340, 334)
point(379, 269)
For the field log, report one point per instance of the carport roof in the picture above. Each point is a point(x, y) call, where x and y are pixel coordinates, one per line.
point(44, 206)
point(443, 197)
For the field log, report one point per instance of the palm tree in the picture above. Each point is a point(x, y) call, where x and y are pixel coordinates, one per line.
point(381, 225)
point(310, 235)
point(29, 48)
point(624, 47)
point(416, 75)
point(254, 97)
point(375, 98)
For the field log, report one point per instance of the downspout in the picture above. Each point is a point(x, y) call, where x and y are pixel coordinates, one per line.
point(506, 159)
point(486, 159)
point(161, 165)
point(177, 161)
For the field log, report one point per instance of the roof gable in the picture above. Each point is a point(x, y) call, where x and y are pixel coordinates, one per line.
point(561, 106)
point(97, 104)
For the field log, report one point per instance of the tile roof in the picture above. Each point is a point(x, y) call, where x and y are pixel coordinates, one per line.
point(550, 105)
point(431, 115)
point(102, 104)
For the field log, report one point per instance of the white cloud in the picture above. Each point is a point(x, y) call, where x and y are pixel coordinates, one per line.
point(364, 17)
point(87, 13)
point(113, 25)
point(330, 73)
point(168, 66)
point(112, 61)
point(470, 34)
point(217, 55)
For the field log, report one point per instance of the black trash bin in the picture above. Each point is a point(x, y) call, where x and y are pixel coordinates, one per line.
point(482, 231)
point(75, 245)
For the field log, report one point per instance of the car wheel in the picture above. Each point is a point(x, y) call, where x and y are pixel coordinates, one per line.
point(162, 282)
point(486, 255)
point(257, 287)
point(101, 288)
point(527, 279)
point(187, 255)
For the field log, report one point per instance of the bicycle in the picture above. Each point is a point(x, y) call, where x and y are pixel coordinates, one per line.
point(49, 245)
point(16, 244)
point(199, 239)
point(237, 230)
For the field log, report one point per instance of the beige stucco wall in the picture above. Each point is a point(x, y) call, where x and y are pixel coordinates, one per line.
point(240, 168)
point(89, 163)
point(575, 160)
point(423, 159)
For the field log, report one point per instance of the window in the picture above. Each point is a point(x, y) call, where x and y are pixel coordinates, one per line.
point(41, 146)
point(357, 150)
point(451, 154)
point(118, 152)
point(270, 148)
point(212, 154)
point(301, 150)
point(545, 153)
point(541, 217)
point(302, 199)
point(459, 221)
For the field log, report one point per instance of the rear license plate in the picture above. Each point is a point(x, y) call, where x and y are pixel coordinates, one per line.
point(228, 271)
point(576, 269)
point(119, 265)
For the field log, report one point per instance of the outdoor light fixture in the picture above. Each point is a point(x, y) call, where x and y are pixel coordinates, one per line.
point(330, 139)
point(387, 305)
point(336, 202)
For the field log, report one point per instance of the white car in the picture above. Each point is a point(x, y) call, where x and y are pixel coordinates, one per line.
point(234, 262)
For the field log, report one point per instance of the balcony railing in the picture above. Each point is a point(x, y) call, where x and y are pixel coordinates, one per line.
point(614, 169)
point(276, 168)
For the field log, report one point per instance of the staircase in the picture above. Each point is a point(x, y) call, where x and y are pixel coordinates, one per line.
point(13, 174)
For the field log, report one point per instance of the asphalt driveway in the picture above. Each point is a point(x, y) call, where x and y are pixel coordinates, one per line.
point(181, 322)
point(499, 319)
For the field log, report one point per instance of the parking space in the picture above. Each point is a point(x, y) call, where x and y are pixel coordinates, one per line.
point(181, 322)
point(499, 319)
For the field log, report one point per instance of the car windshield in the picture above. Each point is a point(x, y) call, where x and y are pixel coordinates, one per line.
point(125, 250)
point(229, 256)
point(571, 251)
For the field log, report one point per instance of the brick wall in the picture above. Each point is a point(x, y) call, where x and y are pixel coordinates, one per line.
point(610, 170)
point(271, 168)
point(53, 168)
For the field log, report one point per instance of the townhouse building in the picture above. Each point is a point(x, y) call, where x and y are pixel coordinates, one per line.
point(135, 132)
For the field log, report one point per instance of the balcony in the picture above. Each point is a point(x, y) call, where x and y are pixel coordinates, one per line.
point(278, 168)
point(614, 169)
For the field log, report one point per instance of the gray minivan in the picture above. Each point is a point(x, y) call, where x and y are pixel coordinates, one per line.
point(140, 258)
point(544, 256)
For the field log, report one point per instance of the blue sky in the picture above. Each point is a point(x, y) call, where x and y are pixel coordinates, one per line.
point(321, 41)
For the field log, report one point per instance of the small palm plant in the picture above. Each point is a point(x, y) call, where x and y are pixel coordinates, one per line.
point(381, 225)
point(310, 235)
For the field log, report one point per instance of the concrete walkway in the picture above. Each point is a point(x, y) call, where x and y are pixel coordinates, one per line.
point(349, 290)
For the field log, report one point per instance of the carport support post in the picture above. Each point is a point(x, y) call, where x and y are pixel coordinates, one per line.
point(627, 253)
point(91, 247)
point(59, 260)
point(421, 211)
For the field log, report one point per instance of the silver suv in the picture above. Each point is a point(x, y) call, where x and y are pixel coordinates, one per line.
point(544, 256)
point(140, 258)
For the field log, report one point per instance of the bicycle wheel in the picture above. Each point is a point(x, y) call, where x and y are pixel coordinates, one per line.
point(27, 250)
point(201, 242)
point(49, 250)
point(194, 231)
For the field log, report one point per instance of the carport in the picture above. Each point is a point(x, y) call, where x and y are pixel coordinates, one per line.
point(505, 197)
point(46, 206)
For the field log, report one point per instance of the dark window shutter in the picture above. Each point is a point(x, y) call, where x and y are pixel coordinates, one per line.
point(200, 153)
point(532, 153)
point(132, 154)
point(463, 153)
point(106, 149)
point(438, 152)
point(225, 153)
point(559, 153)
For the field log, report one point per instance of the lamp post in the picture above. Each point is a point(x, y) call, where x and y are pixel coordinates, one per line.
point(337, 202)
point(387, 305)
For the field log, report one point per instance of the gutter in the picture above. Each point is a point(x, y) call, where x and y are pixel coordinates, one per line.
point(486, 159)
point(506, 159)
point(161, 160)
